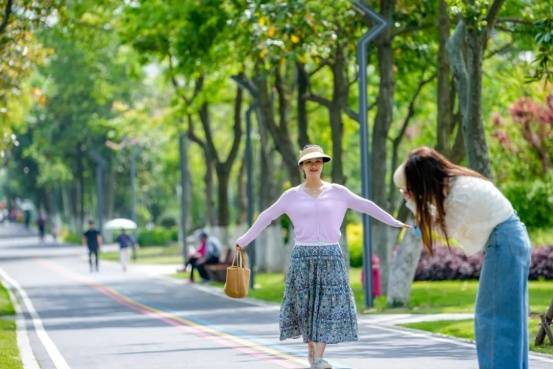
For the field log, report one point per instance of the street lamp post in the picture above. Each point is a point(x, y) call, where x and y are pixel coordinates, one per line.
point(247, 85)
point(378, 25)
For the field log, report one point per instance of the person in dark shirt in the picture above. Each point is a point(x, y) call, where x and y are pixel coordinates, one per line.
point(93, 240)
point(41, 224)
point(125, 241)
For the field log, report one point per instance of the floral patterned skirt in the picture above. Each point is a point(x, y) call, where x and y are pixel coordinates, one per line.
point(318, 302)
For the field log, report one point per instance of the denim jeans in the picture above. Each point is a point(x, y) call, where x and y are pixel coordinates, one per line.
point(501, 316)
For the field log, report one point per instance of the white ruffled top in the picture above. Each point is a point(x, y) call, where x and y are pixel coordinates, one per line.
point(473, 208)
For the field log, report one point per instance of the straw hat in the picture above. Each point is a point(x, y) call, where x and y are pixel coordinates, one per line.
point(313, 152)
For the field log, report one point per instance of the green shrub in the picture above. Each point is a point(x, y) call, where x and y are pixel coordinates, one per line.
point(157, 236)
point(533, 200)
point(68, 236)
point(355, 244)
point(168, 222)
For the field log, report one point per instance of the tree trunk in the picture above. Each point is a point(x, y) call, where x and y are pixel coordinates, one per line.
point(68, 214)
point(209, 199)
point(208, 176)
point(475, 138)
point(337, 105)
point(81, 188)
point(466, 49)
point(241, 217)
point(279, 134)
point(110, 190)
point(266, 185)
point(383, 120)
point(222, 195)
point(6, 13)
point(303, 86)
point(403, 268)
point(185, 192)
point(443, 95)
point(223, 168)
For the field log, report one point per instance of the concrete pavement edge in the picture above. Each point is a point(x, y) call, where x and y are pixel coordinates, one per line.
point(26, 354)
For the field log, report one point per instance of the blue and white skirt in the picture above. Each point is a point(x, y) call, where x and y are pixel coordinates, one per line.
point(318, 302)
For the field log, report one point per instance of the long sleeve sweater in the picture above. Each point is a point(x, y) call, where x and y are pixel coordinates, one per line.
point(316, 220)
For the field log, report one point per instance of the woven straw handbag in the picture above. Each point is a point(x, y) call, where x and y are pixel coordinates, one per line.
point(237, 283)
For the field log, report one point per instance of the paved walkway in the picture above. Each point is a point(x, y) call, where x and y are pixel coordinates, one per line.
point(144, 319)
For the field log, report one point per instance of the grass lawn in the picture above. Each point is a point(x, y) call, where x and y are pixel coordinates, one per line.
point(465, 329)
point(151, 255)
point(9, 353)
point(426, 297)
point(541, 236)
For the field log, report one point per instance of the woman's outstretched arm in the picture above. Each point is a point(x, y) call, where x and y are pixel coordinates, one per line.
point(263, 220)
point(363, 205)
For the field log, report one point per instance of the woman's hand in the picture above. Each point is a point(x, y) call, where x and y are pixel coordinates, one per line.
point(238, 248)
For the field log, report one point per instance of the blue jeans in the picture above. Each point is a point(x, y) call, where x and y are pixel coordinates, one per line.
point(501, 316)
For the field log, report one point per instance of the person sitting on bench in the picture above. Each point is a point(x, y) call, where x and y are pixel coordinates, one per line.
point(208, 252)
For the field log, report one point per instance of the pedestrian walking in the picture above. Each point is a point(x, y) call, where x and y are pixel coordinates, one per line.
point(41, 225)
point(93, 240)
point(318, 303)
point(464, 205)
point(125, 242)
point(208, 252)
point(55, 229)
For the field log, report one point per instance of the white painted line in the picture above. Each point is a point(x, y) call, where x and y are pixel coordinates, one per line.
point(55, 355)
point(28, 358)
point(421, 334)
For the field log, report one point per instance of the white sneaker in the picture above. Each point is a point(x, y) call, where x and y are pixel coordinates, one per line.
point(321, 364)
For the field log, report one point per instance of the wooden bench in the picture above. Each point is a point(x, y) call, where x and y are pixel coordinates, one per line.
point(218, 272)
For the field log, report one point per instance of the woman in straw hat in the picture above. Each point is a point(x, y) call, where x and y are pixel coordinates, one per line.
point(318, 302)
point(460, 203)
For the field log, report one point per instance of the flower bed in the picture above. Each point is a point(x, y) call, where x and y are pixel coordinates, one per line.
point(452, 263)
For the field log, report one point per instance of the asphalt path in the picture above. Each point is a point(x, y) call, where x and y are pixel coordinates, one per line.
point(140, 320)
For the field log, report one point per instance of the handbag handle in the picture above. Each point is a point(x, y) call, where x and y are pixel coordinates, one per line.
point(239, 259)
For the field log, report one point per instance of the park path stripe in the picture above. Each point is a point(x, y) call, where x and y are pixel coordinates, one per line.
point(240, 344)
point(55, 355)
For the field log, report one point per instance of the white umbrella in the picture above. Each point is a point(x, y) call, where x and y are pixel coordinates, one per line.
point(120, 223)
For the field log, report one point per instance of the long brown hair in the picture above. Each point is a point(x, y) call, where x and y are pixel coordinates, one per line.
point(427, 177)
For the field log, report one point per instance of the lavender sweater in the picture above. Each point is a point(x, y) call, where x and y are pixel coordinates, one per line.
point(316, 220)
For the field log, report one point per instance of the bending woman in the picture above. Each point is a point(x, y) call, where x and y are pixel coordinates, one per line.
point(318, 302)
point(460, 203)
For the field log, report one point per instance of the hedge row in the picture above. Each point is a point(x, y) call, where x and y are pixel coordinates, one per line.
point(447, 264)
point(157, 236)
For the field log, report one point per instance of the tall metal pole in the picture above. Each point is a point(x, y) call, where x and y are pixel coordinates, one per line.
point(249, 189)
point(184, 191)
point(379, 25)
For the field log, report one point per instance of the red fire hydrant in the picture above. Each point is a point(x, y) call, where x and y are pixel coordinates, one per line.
point(375, 270)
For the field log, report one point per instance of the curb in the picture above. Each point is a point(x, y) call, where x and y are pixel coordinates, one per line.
point(26, 354)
